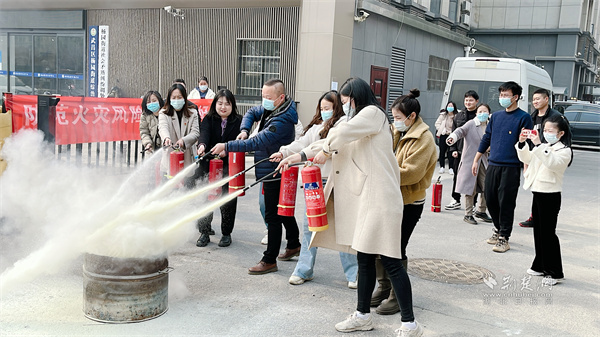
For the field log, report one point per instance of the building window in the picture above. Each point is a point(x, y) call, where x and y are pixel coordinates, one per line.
point(258, 61)
point(438, 73)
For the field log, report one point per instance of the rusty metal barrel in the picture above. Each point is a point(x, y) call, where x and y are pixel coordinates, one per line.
point(124, 290)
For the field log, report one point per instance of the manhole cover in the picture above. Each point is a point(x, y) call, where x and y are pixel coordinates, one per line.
point(448, 271)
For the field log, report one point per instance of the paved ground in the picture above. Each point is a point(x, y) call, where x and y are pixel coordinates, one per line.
point(211, 293)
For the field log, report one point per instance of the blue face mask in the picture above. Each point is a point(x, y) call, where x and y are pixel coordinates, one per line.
point(153, 106)
point(483, 117)
point(450, 109)
point(268, 104)
point(551, 138)
point(325, 115)
point(505, 102)
point(177, 104)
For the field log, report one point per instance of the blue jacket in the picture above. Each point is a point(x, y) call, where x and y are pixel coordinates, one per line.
point(276, 129)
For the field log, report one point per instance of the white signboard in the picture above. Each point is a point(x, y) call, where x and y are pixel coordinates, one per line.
point(103, 86)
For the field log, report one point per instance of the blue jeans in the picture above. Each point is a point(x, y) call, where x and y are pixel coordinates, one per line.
point(261, 204)
point(306, 261)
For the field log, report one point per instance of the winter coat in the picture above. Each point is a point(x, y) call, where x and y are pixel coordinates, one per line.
point(460, 119)
point(195, 94)
point(149, 130)
point(364, 202)
point(276, 128)
point(416, 155)
point(471, 132)
point(168, 127)
point(547, 165)
point(210, 135)
point(441, 122)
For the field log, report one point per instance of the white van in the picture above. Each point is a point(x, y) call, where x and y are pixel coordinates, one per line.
point(485, 75)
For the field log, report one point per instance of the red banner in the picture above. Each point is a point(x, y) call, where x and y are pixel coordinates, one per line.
point(88, 119)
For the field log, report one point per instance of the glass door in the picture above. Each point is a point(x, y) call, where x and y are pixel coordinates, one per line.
point(20, 68)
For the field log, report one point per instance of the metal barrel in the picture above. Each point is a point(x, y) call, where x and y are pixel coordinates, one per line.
point(124, 290)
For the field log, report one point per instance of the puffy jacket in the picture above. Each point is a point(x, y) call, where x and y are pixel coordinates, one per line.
point(276, 128)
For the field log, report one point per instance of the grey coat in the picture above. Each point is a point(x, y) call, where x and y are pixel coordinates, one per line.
point(472, 133)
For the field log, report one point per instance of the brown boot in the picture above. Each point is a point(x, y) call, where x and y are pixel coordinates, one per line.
point(383, 290)
point(389, 306)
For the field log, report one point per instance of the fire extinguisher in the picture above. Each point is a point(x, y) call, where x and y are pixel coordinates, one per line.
point(436, 200)
point(176, 162)
point(237, 164)
point(215, 173)
point(316, 209)
point(287, 192)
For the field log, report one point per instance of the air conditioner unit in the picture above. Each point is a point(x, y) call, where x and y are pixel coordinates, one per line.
point(465, 7)
point(465, 18)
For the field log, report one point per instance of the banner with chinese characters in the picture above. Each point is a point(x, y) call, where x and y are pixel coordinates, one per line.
point(88, 119)
point(93, 61)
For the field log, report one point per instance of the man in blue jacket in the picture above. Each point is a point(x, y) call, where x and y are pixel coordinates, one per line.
point(277, 117)
point(503, 175)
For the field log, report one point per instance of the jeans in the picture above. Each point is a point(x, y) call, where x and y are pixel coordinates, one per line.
point(501, 189)
point(398, 277)
point(544, 212)
point(261, 204)
point(306, 261)
point(275, 221)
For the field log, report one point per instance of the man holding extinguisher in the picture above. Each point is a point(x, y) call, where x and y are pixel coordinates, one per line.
point(277, 117)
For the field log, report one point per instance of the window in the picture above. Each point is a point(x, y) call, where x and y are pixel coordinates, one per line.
point(488, 92)
point(587, 117)
point(438, 73)
point(258, 61)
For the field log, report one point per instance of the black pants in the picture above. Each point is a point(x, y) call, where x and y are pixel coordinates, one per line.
point(455, 196)
point(544, 211)
point(228, 211)
point(398, 277)
point(410, 217)
point(274, 222)
point(501, 189)
point(445, 153)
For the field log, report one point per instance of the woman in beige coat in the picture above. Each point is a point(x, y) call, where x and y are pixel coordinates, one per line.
point(178, 126)
point(365, 217)
point(151, 104)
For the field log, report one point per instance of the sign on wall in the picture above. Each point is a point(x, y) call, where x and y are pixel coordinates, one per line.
point(93, 61)
point(103, 87)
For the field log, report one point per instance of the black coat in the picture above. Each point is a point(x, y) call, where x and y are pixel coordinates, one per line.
point(210, 135)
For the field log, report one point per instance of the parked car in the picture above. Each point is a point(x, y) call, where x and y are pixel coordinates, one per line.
point(585, 121)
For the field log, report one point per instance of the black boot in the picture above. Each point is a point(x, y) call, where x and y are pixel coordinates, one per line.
point(383, 290)
point(203, 240)
point(225, 241)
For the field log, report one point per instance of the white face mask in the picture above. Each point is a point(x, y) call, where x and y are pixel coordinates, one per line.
point(346, 107)
point(401, 126)
point(204, 87)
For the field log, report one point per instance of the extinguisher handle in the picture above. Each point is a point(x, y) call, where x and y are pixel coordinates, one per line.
point(270, 175)
point(251, 167)
point(204, 157)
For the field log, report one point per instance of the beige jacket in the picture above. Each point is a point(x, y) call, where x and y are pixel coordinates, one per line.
point(148, 129)
point(547, 165)
point(365, 183)
point(168, 127)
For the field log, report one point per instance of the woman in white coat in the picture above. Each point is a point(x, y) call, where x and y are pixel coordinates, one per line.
point(178, 126)
point(363, 197)
point(202, 91)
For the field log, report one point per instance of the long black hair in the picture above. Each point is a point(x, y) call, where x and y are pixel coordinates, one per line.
point(563, 125)
point(357, 89)
point(333, 97)
point(169, 111)
point(212, 111)
point(161, 102)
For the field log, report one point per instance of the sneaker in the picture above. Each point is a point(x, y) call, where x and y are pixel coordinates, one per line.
point(493, 239)
point(441, 171)
point(297, 280)
point(406, 332)
point(470, 219)
point(527, 223)
point(550, 281)
point(534, 273)
point(265, 240)
point(483, 216)
point(451, 171)
point(353, 323)
point(453, 205)
point(502, 245)
point(353, 285)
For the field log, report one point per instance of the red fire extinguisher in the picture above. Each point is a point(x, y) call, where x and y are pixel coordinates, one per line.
point(436, 200)
point(287, 192)
point(316, 210)
point(215, 173)
point(176, 162)
point(237, 164)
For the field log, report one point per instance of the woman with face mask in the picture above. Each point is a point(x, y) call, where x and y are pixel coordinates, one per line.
point(328, 115)
point(178, 126)
point(466, 182)
point(363, 193)
point(544, 176)
point(151, 104)
point(202, 91)
point(443, 126)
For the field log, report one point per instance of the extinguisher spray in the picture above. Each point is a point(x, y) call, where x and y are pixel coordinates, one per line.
point(436, 200)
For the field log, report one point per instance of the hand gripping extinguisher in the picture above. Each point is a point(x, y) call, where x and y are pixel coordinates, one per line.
point(436, 200)
point(176, 162)
point(316, 210)
point(287, 192)
point(215, 173)
point(237, 164)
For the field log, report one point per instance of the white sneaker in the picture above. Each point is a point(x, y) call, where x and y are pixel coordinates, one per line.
point(353, 323)
point(534, 273)
point(451, 171)
point(441, 171)
point(353, 285)
point(550, 281)
point(297, 280)
point(452, 205)
point(265, 240)
point(406, 332)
